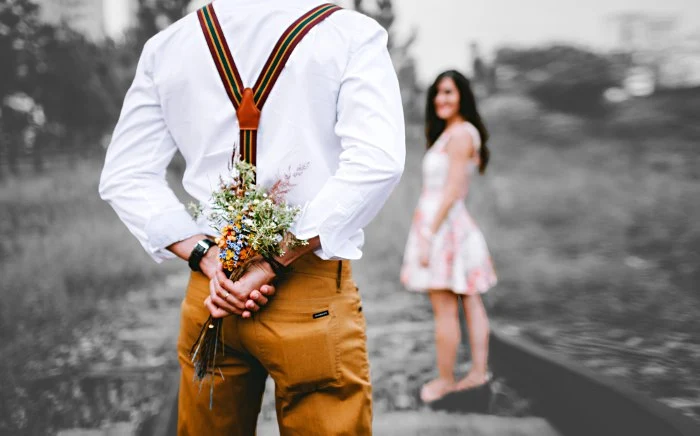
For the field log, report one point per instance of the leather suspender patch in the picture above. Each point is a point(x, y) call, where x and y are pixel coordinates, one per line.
point(249, 102)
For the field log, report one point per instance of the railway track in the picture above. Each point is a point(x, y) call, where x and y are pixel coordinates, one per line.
point(578, 401)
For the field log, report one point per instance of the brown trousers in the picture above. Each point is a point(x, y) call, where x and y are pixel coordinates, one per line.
point(310, 338)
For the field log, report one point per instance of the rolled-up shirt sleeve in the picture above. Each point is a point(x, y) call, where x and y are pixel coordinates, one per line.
point(370, 125)
point(133, 178)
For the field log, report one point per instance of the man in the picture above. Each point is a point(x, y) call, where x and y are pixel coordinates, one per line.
point(335, 107)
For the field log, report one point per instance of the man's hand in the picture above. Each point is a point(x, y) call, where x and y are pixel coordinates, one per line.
point(210, 264)
point(247, 295)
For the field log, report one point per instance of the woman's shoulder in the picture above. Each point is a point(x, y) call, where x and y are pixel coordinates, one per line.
point(464, 134)
point(458, 143)
point(473, 132)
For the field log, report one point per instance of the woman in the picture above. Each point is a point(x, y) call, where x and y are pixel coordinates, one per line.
point(446, 254)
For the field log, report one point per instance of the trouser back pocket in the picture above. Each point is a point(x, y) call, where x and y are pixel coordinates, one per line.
point(301, 348)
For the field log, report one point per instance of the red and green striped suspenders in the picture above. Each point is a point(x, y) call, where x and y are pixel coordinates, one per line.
point(248, 102)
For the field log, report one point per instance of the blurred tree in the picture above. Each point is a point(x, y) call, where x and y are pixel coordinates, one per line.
point(404, 62)
point(76, 90)
point(560, 77)
point(56, 87)
point(155, 15)
point(21, 37)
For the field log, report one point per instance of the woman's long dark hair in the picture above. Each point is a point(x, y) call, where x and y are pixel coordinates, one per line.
point(434, 126)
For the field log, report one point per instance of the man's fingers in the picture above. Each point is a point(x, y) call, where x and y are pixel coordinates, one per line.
point(246, 314)
point(220, 303)
point(217, 302)
point(258, 298)
point(216, 312)
point(223, 299)
point(268, 290)
point(222, 280)
point(251, 306)
point(232, 287)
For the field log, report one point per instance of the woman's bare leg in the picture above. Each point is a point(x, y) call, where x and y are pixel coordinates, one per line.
point(447, 339)
point(478, 327)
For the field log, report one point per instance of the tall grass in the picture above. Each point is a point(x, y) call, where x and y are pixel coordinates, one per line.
point(63, 248)
point(62, 252)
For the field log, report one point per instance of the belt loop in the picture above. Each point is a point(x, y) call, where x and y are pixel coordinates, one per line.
point(340, 273)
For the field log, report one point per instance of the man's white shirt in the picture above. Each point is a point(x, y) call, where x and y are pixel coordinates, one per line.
point(336, 107)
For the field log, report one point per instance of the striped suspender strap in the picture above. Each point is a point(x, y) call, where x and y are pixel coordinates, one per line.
point(248, 102)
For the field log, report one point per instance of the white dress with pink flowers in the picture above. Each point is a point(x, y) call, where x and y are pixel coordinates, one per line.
point(459, 258)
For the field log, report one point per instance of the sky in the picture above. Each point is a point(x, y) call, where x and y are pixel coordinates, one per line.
point(446, 27)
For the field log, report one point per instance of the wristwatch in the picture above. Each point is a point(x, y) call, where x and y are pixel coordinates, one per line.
point(198, 252)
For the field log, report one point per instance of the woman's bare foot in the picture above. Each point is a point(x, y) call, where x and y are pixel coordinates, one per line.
point(436, 389)
point(472, 379)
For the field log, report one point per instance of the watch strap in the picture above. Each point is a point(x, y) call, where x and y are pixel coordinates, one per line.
point(198, 252)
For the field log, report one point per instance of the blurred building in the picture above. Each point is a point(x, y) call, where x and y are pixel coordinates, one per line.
point(635, 31)
point(96, 19)
point(679, 67)
point(656, 43)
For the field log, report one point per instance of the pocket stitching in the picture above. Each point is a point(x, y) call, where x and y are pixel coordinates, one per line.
point(334, 355)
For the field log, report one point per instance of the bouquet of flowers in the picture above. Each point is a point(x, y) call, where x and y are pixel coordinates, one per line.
point(251, 223)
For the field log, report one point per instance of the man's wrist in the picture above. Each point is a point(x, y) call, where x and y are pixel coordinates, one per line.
point(211, 257)
point(198, 253)
point(265, 266)
point(276, 267)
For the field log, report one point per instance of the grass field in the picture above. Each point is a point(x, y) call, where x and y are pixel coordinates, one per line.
point(62, 250)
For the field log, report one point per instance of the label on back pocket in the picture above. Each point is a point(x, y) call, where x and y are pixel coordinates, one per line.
point(321, 314)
